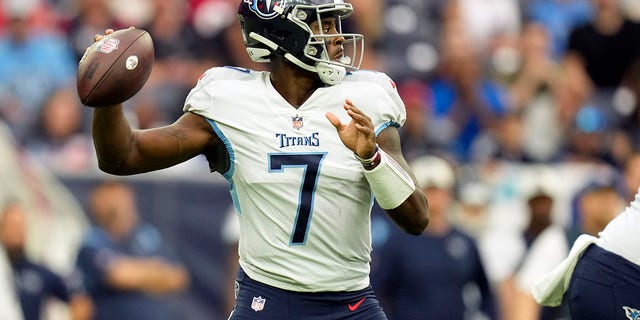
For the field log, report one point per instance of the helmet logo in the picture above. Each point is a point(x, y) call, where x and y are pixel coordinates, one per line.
point(264, 8)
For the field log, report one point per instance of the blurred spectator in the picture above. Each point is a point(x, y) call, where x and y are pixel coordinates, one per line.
point(486, 22)
point(570, 94)
point(416, 133)
point(601, 53)
point(543, 245)
point(558, 17)
point(532, 86)
point(587, 118)
point(87, 18)
point(177, 47)
point(368, 23)
point(589, 139)
point(506, 143)
point(34, 283)
point(595, 206)
point(465, 103)
point(60, 137)
point(183, 51)
point(537, 72)
point(620, 147)
point(33, 63)
point(124, 262)
point(57, 220)
point(176, 36)
point(440, 273)
point(604, 48)
point(212, 19)
point(234, 43)
point(132, 12)
point(627, 98)
point(472, 209)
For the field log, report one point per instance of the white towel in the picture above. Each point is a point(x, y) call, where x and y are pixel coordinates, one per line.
point(549, 290)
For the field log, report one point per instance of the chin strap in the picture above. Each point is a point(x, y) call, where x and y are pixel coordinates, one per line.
point(330, 74)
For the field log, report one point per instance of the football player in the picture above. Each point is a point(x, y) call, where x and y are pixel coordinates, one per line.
point(305, 147)
point(600, 278)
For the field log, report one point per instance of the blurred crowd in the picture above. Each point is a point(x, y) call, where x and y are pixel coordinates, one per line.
point(530, 81)
point(536, 81)
point(535, 104)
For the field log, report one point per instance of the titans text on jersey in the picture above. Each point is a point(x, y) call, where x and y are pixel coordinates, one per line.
point(294, 195)
point(285, 140)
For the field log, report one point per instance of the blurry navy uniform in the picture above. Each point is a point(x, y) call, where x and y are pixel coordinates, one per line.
point(606, 280)
point(35, 284)
point(432, 277)
point(98, 251)
point(604, 286)
point(600, 279)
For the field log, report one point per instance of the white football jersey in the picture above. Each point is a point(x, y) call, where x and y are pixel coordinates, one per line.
point(621, 235)
point(303, 202)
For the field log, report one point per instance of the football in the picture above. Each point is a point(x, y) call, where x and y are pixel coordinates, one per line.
point(115, 68)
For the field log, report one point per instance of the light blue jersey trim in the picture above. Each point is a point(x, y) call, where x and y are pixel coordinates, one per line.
point(229, 174)
point(387, 125)
point(245, 70)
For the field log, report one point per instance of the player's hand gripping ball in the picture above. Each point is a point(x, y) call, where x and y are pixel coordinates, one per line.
point(115, 67)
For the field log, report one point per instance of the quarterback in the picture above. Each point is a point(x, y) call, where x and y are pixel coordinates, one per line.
point(306, 147)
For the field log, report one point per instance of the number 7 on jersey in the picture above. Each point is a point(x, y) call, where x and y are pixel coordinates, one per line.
point(311, 162)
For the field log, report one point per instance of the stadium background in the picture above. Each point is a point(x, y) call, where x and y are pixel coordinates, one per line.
point(189, 205)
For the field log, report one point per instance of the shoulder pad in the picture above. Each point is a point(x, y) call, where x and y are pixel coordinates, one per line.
point(375, 77)
point(227, 73)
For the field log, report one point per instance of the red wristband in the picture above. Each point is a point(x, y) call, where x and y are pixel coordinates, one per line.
point(372, 162)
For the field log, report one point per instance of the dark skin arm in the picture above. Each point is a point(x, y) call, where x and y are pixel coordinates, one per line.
point(413, 214)
point(359, 136)
point(124, 151)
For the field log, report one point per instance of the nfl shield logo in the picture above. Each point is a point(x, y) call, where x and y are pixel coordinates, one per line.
point(297, 122)
point(108, 46)
point(258, 303)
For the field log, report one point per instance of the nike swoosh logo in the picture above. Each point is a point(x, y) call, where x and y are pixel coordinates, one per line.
point(353, 307)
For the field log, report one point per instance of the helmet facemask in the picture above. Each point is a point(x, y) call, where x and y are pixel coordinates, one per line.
point(312, 55)
point(331, 71)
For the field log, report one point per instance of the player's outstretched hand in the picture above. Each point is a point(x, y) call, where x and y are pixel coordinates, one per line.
point(358, 135)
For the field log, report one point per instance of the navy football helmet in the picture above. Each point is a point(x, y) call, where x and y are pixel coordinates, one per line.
point(282, 27)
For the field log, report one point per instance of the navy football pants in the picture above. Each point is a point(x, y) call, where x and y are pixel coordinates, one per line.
point(604, 286)
point(256, 300)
